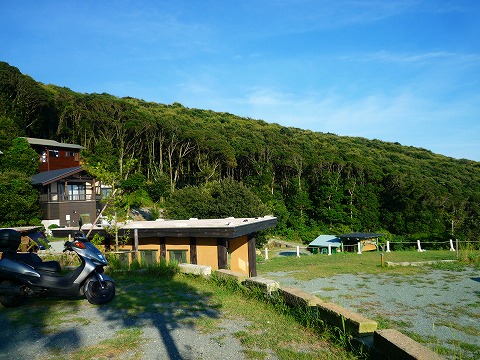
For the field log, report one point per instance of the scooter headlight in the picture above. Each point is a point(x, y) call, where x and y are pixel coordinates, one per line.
point(79, 245)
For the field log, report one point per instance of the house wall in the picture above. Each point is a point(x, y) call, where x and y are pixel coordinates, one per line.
point(65, 159)
point(206, 250)
point(153, 243)
point(238, 249)
point(149, 244)
point(59, 211)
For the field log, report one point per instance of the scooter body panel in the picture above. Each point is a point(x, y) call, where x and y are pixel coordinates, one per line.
point(11, 270)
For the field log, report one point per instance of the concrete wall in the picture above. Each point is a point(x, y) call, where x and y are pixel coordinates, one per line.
point(53, 211)
point(238, 249)
point(206, 250)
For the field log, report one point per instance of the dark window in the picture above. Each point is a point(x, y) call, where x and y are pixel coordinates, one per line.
point(76, 192)
point(105, 192)
point(149, 257)
point(53, 153)
point(179, 256)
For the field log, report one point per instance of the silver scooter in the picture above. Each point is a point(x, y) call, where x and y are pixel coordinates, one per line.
point(25, 274)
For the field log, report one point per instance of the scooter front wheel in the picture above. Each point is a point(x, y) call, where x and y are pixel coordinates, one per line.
point(99, 293)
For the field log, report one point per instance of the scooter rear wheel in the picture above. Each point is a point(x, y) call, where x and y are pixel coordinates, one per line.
point(96, 294)
point(11, 300)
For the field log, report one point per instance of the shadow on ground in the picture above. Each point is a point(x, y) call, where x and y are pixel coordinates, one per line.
point(44, 327)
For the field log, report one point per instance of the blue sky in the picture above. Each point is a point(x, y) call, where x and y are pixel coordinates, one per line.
point(399, 71)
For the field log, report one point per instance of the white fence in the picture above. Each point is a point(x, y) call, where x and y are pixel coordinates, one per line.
point(420, 247)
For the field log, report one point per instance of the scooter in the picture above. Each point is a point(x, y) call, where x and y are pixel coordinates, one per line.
point(25, 274)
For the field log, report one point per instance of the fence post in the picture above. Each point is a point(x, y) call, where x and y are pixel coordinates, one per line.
point(419, 247)
point(359, 248)
point(266, 253)
point(388, 246)
point(298, 251)
point(456, 246)
point(135, 239)
point(451, 245)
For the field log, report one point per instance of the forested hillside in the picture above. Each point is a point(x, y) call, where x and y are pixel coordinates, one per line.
point(313, 182)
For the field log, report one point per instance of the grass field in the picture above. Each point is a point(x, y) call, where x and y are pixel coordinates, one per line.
point(448, 315)
point(314, 266)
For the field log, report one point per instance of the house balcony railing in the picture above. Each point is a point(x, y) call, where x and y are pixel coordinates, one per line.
point(55, 197)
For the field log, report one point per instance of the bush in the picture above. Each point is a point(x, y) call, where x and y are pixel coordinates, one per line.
point(218, 199)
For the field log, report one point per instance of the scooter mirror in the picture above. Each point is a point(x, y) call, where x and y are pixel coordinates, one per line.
point(80, 236)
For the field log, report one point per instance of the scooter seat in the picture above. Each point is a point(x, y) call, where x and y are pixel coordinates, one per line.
point(33, 260)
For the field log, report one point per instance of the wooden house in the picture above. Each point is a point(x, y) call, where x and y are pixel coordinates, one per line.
point(54, 155)
point(67, 191)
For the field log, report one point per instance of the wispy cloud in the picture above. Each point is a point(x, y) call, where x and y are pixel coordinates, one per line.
point(426, 58)
point(317, 15)
point(404, 118)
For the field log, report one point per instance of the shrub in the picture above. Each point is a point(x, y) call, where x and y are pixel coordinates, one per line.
point(218, 199)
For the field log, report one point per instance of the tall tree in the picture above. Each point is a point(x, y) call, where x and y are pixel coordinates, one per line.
point(19, 203)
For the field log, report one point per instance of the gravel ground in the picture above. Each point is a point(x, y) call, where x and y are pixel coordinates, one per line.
point(443, 307)
point(167, 334)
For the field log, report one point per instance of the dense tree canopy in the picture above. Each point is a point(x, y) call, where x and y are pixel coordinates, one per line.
point(218, 199)
point(313, 182)
point(18, 199)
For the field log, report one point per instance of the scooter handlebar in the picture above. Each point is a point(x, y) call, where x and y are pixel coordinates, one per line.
point(68, 246)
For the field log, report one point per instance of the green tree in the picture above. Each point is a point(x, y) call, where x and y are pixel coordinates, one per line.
point(134, 191)
point(20, 156)
point(217, 199)
point(312, 180)
point(8, 131)
point(19, 204)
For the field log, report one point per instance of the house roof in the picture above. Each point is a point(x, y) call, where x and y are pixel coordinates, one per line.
point(325, 240)
point(48, 177)
point(52, 143)
point(359, 235)
point(228, 228)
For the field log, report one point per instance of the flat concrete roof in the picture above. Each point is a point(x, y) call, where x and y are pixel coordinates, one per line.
point(228, 228)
